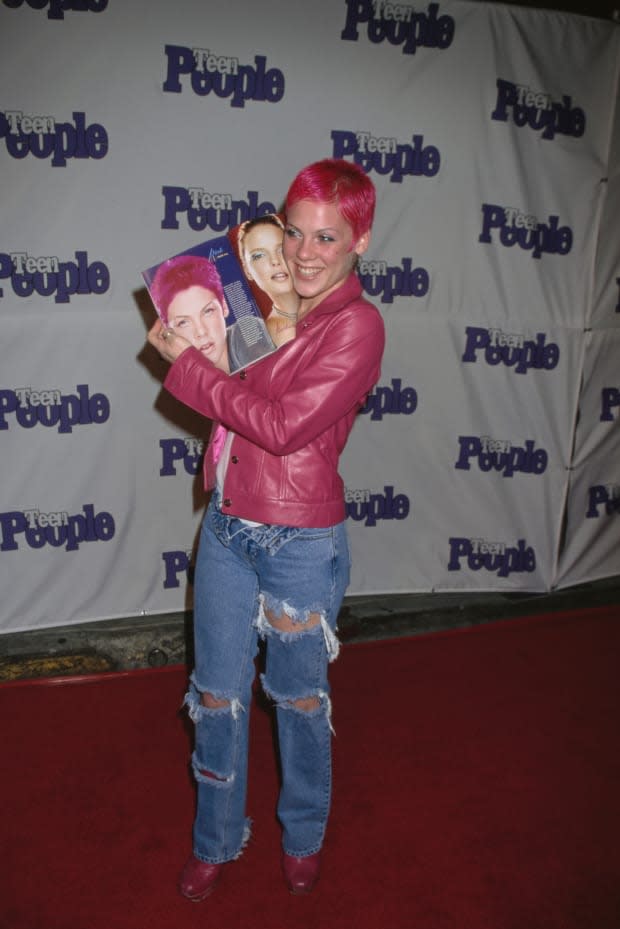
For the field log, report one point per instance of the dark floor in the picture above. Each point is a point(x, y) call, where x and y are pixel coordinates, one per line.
point(156, 641)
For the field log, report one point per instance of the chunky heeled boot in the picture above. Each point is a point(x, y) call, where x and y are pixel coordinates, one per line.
point(198, 878)
point(301, 874)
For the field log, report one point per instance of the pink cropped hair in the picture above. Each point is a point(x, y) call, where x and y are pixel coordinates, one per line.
point(181, 273)
point(334, 180)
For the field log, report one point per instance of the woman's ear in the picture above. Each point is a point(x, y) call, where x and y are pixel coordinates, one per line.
point(362, 243)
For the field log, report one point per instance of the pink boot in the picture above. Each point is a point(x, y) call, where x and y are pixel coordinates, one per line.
point(198, 878)
point(301, 874)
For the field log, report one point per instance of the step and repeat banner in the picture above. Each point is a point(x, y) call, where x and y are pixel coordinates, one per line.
point(487, 457)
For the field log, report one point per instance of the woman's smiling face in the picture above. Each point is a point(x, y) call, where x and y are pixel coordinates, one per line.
point(319, 249)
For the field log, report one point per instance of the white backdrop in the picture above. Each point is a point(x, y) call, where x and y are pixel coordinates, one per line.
point(487, 457)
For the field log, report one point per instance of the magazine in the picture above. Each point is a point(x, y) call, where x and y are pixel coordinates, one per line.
point(205, 295)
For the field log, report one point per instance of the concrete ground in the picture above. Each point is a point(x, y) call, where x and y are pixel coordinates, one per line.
point(156, 641)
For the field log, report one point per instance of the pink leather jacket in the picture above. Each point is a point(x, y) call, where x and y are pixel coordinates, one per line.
point(292, 412)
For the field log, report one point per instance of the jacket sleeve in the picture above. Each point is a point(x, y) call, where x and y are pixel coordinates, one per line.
point(336, 378)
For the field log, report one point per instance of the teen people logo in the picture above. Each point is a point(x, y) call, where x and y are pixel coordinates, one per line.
point(386, 156)
point(398, 24)
point(524, 230)
point(537, 110)
point(495, 557)
point(501, 456)
point(204, 210)
point(186, 452)
point(58, 8)
point(27, 408)
point(46, 276)
point(388, 281)
point(177, 562)
point(58, 530)
point(396, 399)
point(603, 500)
point(364, 507)
point(43, 137)
point(207, 72)
point(512, 350)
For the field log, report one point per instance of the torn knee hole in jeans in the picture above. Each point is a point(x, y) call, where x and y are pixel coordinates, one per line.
point(213, 703)
point(281, 618)
point(200, 701)
point(206, 776)
point(212, 776)
point(306, 704)
point(312, 705)
point(287, 623)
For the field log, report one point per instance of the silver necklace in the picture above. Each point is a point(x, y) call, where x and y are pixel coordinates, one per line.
point(283, 313)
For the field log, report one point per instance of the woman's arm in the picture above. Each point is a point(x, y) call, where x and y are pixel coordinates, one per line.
point(339, 374)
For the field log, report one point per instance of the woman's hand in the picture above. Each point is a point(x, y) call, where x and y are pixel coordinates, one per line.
point(168, 343)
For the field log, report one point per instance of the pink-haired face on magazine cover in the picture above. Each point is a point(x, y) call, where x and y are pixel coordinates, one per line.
point(189, 296)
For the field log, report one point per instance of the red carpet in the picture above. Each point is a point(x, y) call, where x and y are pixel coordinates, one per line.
point(477, 786)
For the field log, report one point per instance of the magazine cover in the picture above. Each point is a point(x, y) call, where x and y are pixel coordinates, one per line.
point(220, 296)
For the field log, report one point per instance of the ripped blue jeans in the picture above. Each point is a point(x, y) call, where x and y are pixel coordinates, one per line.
point(247, 577)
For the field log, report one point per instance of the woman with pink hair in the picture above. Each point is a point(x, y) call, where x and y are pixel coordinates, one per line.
point(273, 559)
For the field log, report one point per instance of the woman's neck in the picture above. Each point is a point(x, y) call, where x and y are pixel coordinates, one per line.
point(288, 304)
point(304, 308)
